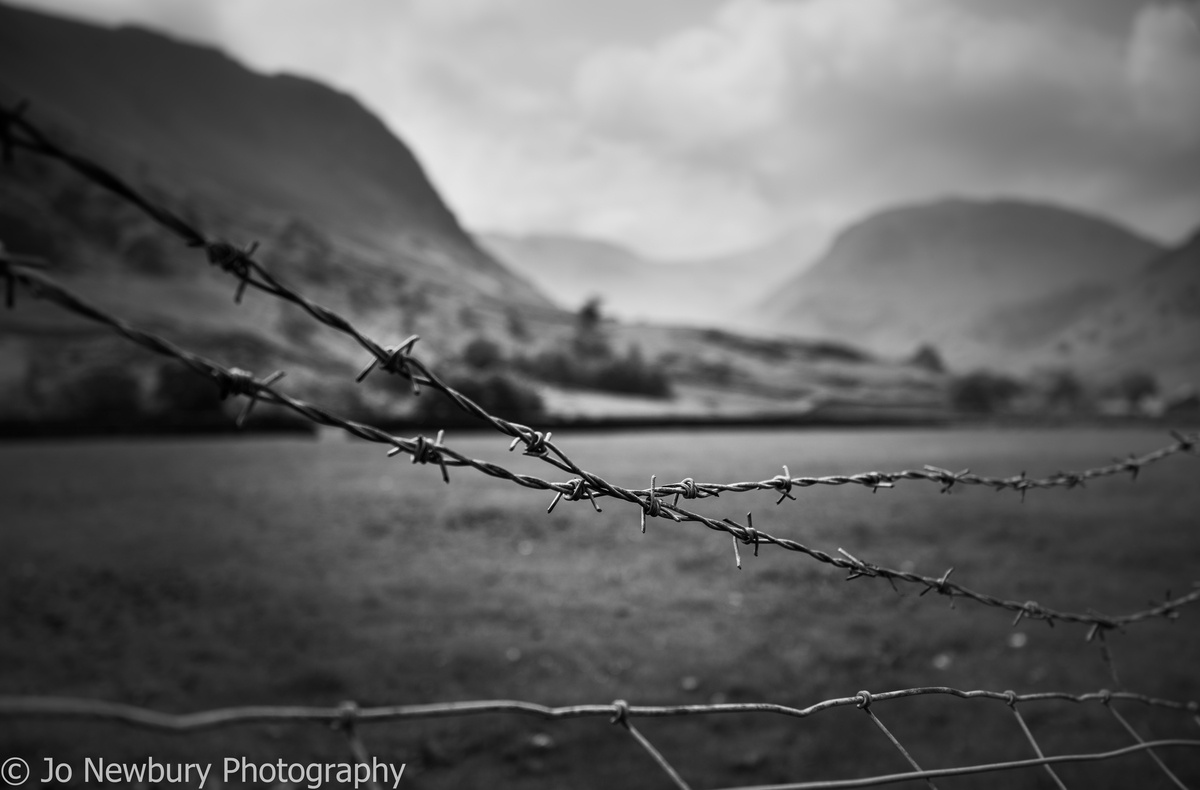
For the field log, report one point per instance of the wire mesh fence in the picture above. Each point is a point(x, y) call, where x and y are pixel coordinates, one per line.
point(27, 274)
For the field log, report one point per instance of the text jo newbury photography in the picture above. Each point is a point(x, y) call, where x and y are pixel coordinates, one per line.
point(234, 769)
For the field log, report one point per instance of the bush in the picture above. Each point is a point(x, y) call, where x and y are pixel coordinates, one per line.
point(633, 375)
point(1136, 386)
point(496, 393)
point(482, 354)
point(629, 374)
point(107, 395)
point(181, 390)
point(1064, 391)
point(927, 357)
point(983, 392)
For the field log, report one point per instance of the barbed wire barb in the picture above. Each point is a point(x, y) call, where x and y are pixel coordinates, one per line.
point(17, 132)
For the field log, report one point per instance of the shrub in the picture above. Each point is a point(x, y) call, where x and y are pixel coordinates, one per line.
point(482, 353)
point(1064, 390)
point(983, 392)
point(1136, 385)
point(182, 390)
point(629, 374)
point(107, 395)
point(927, 357)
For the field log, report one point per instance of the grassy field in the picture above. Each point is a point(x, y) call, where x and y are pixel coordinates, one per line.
point(184, 575)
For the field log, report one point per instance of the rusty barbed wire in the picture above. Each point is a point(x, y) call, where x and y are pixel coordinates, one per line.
point(398, 359)
point(348, 716)
point(234, 381)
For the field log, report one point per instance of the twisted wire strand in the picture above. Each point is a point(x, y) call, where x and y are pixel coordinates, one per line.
point(59, 708)
point(145, 718)
point(398, 359)
point(233, 381)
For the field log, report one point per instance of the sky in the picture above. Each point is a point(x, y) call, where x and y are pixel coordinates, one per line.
point(694, 128)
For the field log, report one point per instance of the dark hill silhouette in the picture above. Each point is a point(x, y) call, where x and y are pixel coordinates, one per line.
point(282, 144)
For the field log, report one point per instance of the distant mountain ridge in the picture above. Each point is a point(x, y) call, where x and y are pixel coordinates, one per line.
point(983, 281)
point(717, 291)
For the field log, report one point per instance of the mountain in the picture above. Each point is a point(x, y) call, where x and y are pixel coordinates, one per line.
point(712, 292)
point(346, 215)
point(282, 146)
point(342, 208)
point(983, 281)
point(1151, 323)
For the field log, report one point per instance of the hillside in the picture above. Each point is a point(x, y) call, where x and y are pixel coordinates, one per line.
point(984, 281)
point(282, 146)
point(340, 206)
point(344, 213)
point(711, 292)
point(1151, 323)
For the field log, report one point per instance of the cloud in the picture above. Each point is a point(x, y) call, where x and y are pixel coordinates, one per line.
point(1164, 70)
point(839, 107)
point(687, 128)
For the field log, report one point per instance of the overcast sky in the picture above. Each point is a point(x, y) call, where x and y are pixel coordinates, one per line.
point(694, 127)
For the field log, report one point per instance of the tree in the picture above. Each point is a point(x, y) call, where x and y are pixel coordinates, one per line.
point(589, 339)
point(482, 353)
point(108, 394)
point(496, 393)
point(927, 357)
point(1064, 390)
point(1137, 385)
point(182, 390)
point(590, 315)
point(983, 392)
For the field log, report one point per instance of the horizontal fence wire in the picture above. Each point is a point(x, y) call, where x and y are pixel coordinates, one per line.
point(348, 716)
point(16, 132)
point(234, 381)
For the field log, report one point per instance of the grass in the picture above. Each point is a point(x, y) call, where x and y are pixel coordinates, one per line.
point(188, 574)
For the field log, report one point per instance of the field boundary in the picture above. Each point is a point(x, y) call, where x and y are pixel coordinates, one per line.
point(26, 272)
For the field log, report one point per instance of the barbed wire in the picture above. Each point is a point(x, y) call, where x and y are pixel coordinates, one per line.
point(16, 132)
point(398, 359)
point(347, 716)
point(234, 381)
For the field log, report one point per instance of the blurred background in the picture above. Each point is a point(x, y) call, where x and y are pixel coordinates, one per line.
point(843, 236)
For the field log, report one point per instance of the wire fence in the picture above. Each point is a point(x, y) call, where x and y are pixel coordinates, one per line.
point(27, 273)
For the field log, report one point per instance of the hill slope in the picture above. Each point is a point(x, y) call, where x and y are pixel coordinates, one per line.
point(982, 280)
point(282, 146)
point(343, 212)
point(1152, 323)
